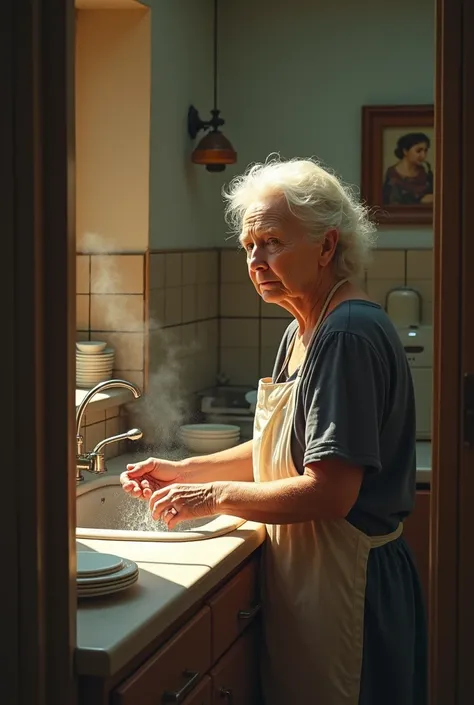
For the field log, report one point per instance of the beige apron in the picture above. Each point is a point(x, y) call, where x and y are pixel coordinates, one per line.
point(314, 577)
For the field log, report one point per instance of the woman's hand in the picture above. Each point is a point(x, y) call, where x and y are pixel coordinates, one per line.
point(142, 479)
point(179, 502)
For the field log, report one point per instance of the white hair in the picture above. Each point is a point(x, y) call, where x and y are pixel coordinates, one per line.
point(317, 198)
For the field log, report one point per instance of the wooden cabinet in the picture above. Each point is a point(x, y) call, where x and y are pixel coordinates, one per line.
point(416, 530)
point(174, 670)
point(233, 608)
point(202, 693)
point(211, 660)
point(235, 677)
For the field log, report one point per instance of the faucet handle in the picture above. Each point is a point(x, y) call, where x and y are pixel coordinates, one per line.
point(133, 435)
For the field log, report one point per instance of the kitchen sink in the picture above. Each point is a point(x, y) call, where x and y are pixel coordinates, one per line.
point(104, 511)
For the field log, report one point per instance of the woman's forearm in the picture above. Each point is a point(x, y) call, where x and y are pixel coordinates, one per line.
point(286, 501)
point(233, 464)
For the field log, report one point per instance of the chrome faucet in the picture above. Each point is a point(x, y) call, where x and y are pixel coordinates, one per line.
point(94, 461)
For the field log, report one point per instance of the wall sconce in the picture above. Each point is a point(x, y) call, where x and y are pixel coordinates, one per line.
point(214, 150)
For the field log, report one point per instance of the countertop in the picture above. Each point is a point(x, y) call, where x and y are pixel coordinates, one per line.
point(104, 400)
point(173, 577)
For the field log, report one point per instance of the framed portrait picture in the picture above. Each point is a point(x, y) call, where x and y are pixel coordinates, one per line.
point(398, 163)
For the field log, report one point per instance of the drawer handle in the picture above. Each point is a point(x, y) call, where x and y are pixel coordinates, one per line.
point(227, 694)
point(247, 615)
point(179, 695)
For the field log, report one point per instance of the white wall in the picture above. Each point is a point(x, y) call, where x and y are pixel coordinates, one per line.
point(294, 76)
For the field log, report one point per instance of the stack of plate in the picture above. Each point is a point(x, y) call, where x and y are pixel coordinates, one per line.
point(94, 363)
point(209, 437)
point(103, 574)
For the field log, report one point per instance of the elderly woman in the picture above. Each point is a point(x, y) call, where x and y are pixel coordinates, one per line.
point(331, 467)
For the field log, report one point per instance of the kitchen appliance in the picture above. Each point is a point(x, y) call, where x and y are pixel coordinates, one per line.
point(418, 344)
point(403, 306)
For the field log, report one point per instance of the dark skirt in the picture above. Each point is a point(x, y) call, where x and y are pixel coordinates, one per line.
point(394, 666)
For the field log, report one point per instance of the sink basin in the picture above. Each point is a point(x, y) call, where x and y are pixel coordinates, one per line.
point(105, 511)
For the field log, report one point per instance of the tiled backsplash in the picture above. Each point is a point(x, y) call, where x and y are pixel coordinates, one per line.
point(177, 319)
point(251, 330)
point(110, 306)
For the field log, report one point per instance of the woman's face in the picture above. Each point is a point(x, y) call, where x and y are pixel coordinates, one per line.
point(283, 262)
point(416, 154)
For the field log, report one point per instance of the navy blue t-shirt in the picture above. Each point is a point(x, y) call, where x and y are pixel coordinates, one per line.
point(355, 401)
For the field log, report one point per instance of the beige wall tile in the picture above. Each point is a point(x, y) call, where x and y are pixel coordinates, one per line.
point(377, 289)
point(233, 267)
point(420, 264)
point(190, 302)
point(207, 334)
point(83, 274)
point(207, 301)
point(129, 349)
point(173, 306)
point(239, 332)
point(272, 332)
point(135, 376)
point(112, 413)
point(117, 312)
point(207, 267)
point(157, 270)
point(164, 344)
point(241, 365)
point(190, 268)
point(156, 308)
point(387, 264)
point(273, 311)
point(93, 416)
point(82, 335)
point(112, 428)
point(93, 435)
point(173, 269)
point(189, 339)
point(239, 300)
point(427, 313)
point(82, 312)
point(117, 274)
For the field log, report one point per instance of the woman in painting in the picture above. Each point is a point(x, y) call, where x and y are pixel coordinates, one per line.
point(409, 182)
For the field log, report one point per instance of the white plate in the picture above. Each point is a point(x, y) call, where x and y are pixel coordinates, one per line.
point(91, 563)
point(96, 356)
point(108, 590)
point(210, 427)
point(118, 570)
point(90, 347)
point(91, 377)
point(94, 368)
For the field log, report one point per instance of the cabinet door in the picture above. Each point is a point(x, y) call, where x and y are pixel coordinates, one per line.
point(202, 694)
point(234, 608)
point(416, 530)
point(235, 678)
point(175, 670)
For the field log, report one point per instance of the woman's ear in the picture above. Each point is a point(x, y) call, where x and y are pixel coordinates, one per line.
point(328, 247)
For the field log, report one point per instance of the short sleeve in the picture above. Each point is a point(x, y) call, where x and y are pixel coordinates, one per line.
point(343, 389)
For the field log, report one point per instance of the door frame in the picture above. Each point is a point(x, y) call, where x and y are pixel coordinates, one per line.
point(452, 488)
point(36, 172)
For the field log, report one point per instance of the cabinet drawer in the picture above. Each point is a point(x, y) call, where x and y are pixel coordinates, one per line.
point(233, 608)
point(236, 677)
point(175, 668)
point(202, 694)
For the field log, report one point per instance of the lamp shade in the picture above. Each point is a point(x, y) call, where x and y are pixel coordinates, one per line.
point(214, 152)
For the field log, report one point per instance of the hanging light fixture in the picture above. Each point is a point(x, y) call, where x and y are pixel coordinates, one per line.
point(214, 150)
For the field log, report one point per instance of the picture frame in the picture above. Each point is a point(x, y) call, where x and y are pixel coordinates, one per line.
point(398, 163)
